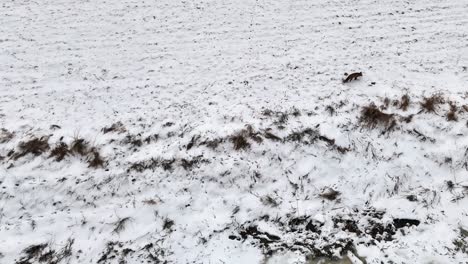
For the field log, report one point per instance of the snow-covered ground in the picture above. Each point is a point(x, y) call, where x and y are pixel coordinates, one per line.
point(167, 131)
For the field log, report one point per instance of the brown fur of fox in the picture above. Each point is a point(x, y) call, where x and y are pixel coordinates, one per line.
point(352, 76)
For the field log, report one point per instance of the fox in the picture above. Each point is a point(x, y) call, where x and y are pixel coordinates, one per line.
point(352, 76)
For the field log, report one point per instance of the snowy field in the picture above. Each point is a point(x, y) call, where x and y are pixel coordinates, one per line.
point(168, 131)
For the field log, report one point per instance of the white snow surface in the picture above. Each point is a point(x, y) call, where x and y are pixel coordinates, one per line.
point(205, 70)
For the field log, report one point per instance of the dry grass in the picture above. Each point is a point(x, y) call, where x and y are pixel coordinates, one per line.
point(329, 141)
point(295, 112)
point(150, 202)
point(152, 164)
point(151, 138)
point(372, 117)
point(269, 135)
point(421, 136)
point(268, 200)
point(404, 102)
point(330, 109)
point(465, 108)
point(167, 164)
point(78, 147)
point(452, 114)
point(306, 136)
point(168, 224)
point(254, 135)
point(121, 224)
point(386, 103)
point(430, 104)
point(133, 140)
point(282, 117)
point(239, 141)
point(212, 143)
point(60, 151)
point(35, 146)
point(34, 250)
point(329, 194)
point(188, 164)
point(342, 150)
point(407, 119)
point(43, 253)
point(94, 159)
point(168, 124)
point(5, 135)
point(116, 127)
point(192, 142)
point(461, 242)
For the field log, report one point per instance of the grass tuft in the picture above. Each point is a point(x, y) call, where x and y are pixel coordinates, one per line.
point(95, 160)
point(372, 117)
point(35, 146)
point(79, 146)
point(405, 102)
point(452, 114)
point(116, 127)
point(239, 141)
point(5, 135)
point(121, 224)
point(306, 136)
point(168, 224)
point(60, 151)
point(430, 104)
